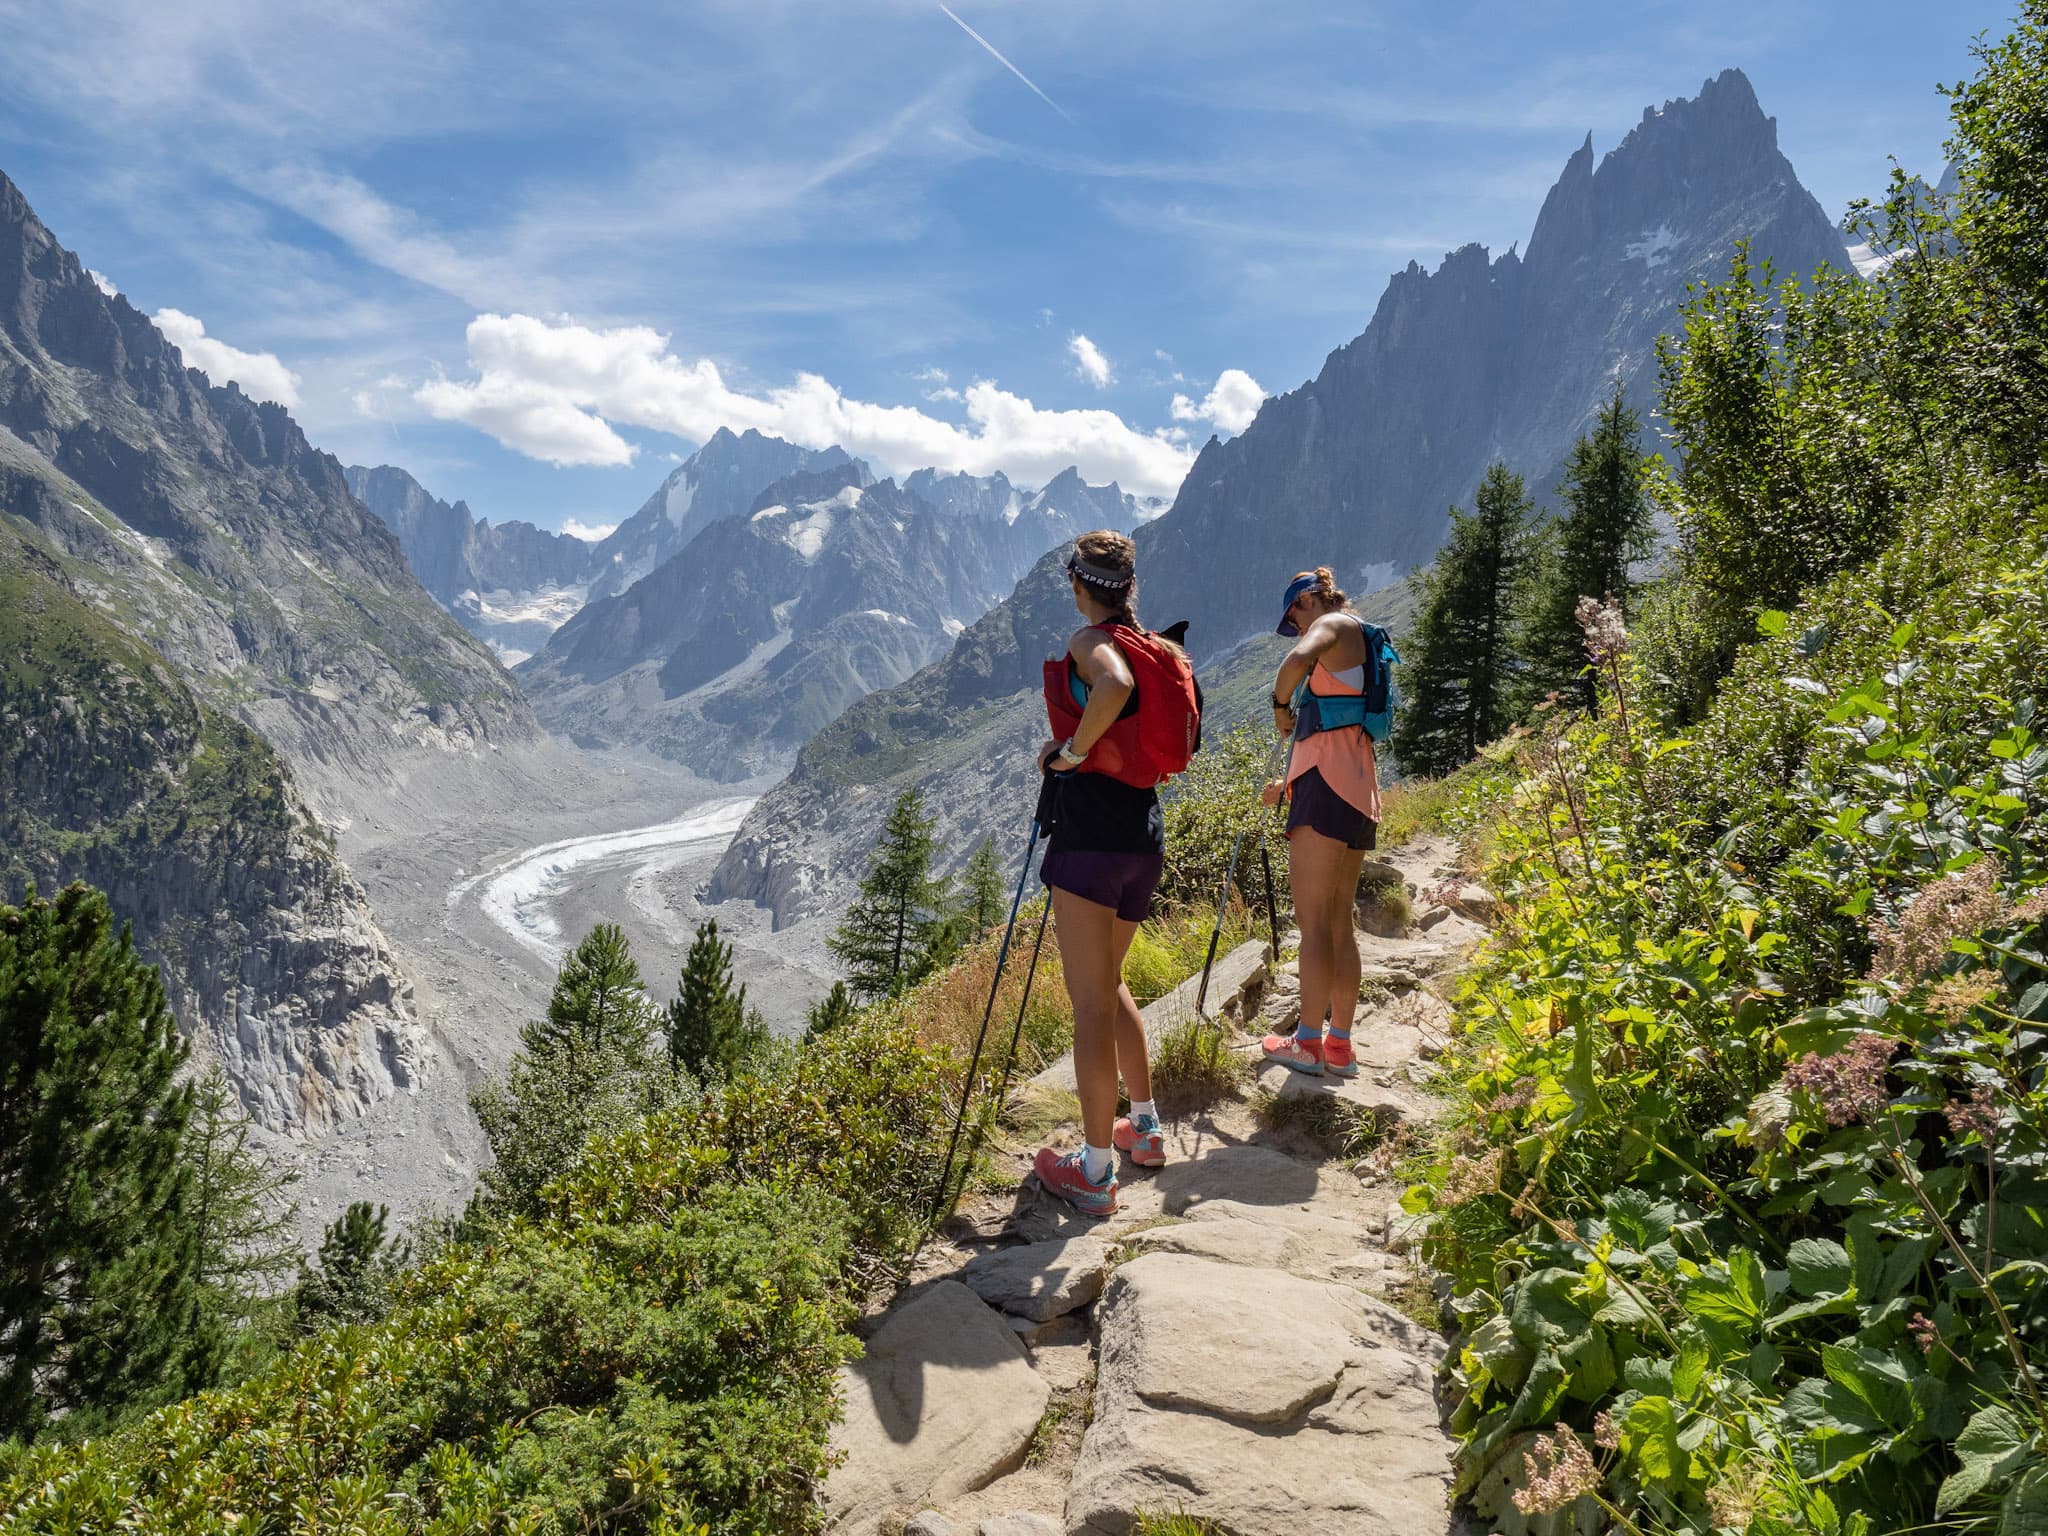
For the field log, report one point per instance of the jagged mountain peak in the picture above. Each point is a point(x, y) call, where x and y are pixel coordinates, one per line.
point(809, 486)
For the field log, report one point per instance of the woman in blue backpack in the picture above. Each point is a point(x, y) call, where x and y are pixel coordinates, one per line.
point(1105, 849)
point(1333, 809)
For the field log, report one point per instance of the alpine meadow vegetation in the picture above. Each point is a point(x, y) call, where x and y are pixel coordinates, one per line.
point(1742, 1189)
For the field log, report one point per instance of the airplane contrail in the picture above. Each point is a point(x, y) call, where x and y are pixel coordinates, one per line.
point(995, 54)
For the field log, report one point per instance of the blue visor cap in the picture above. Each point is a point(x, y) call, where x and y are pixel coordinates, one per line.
point(1295, 588)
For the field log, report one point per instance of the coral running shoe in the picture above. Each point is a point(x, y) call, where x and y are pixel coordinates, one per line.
point(1337, 1058)
point(1139, 1139)
point(1301, 1055)
point(1062, 1175)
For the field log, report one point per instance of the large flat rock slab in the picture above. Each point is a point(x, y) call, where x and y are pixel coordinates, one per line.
point(1302, 1242)
point(1262, 1402)
point(1040, 1281)
point(943, 1403)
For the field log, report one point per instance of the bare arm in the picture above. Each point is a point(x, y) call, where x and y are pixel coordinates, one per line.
point(1315, 643)
point(1108, 676)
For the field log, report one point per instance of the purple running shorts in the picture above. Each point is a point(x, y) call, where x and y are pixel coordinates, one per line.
point(1124, 881)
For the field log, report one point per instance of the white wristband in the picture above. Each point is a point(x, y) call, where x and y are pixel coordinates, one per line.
point(1067, 753)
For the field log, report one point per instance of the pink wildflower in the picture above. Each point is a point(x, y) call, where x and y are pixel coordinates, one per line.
point(1850, 1083)
point(1979, 1112)
point(1559, 1471)
point(1606, 634)
point(1945, 910)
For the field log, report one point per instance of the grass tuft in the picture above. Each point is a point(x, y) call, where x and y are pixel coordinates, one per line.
point(1193, 1067)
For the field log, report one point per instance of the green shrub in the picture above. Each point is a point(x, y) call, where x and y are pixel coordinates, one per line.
point(1745, 1180)
point(1208, 810)
point(643, 1377)
point(1172, 945)
point(652, 1351)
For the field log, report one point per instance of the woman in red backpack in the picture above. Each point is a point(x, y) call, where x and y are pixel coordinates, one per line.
point(1333, 813)
point(1104, 853)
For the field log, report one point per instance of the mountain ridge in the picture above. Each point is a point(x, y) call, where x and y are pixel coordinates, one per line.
point(1483, 358)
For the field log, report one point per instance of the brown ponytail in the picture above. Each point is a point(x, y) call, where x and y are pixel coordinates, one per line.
point(1106, 563)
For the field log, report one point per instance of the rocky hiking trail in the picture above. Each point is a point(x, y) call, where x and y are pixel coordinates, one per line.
point(1231, 1343)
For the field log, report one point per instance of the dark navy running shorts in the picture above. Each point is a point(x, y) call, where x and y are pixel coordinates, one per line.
point(1313, 804)
point(1124, 881)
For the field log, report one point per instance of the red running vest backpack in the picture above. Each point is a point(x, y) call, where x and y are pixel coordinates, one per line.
point(1146, 748)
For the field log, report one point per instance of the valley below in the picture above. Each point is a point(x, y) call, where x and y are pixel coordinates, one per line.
point(483, 874)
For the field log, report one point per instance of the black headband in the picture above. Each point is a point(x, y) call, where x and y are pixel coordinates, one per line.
point(1098, 575)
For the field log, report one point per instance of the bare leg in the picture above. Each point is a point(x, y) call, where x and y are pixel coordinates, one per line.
point(1089, 959)
point(1314, 869)
point(1132, 1058)
point(1344, 966)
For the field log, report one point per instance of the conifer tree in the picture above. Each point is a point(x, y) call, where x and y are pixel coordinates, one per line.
point(885, 940)
point(100, 1296)
point(829, 1012)
point(978, 891)
point(242, 1215)
point(598, 998)
point(351, 1280)
point(584, 1069)
point(1606, 528)
point(708, 1024)
point(1459, 668)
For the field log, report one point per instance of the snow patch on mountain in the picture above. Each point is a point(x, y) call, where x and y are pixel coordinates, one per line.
point(1655, 248)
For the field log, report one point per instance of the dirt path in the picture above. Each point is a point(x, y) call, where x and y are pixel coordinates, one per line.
point(1240, 1341)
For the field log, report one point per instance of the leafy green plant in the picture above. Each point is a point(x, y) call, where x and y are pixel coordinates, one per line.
point(1193, 1066)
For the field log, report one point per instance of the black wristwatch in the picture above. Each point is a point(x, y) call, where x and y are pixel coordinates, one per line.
point(1287, 704)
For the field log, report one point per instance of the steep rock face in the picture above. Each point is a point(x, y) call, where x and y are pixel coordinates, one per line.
point(736, 651)
point(114, 772)
point(509, 584)
point(237, 545)
point(1482, 359)
point(202, 625)
point(720, 480)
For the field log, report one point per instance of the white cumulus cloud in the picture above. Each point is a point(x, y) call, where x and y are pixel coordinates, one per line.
point(1229, 406)
point(262, 375)
point(556, 390)
point(104, 283)
point(1089, 361)
point(589, 533)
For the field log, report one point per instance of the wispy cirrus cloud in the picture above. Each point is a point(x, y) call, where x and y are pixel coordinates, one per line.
point(558, 391)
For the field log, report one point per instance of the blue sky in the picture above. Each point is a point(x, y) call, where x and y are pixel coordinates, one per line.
point(533, 253)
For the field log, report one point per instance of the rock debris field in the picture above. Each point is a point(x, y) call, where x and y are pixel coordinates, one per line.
point(1238, 1342)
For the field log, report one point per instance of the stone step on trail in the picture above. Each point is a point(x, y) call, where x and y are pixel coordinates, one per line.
point(1262, 1402)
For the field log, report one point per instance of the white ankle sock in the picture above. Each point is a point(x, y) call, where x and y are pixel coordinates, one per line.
point(1143, 1107)
point(1096, 1162)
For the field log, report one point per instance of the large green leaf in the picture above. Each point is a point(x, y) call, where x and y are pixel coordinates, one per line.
point(1832, 1430)
point(1819, 1266)
point(1736, 1299)
point(1992, 1446)
point(1650, 1436)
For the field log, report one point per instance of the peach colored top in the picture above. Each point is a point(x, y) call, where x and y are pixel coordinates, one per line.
point(1344, 755)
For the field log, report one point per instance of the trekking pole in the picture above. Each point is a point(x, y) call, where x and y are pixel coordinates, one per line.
point(981, 1039)
point(1016, 1035)
point(1266, 859)
point(1216, 928)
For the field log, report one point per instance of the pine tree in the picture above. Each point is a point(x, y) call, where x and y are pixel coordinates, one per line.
point(978, 891)
point(885, 940)
point(243, 1216)
point(587, 1068)
point(708, 1026)
point(831, 1011)
point(598, 998)
point(1590, 551)
point(351, 1280)
point(100, 1296)
point(1459, 669)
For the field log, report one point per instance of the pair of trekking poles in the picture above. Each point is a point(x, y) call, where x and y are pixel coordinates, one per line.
point(945, 1195)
